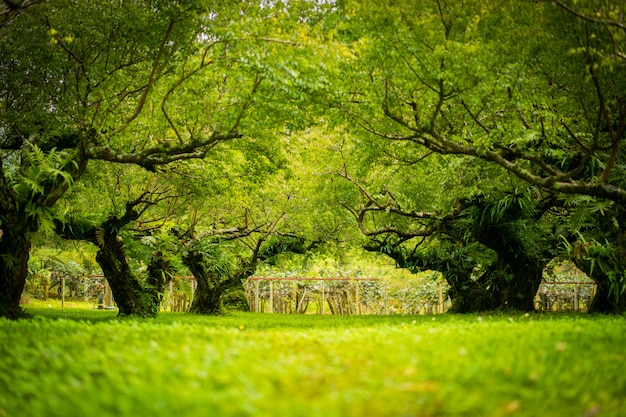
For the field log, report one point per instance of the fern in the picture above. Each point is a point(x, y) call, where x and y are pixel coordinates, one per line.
point(100, 236)
point(40, 168)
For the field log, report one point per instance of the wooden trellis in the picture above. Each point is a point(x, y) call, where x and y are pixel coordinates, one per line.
point(272, 299)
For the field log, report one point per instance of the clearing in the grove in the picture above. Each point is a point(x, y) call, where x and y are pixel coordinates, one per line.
point(77, 362)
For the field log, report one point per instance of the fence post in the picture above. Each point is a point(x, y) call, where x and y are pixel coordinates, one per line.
point(386, 309)
point(194, 284)
point(256, 296)
point(440, 299)
point(271, 296)
point(86, 288)
point(323, 299)
point(62, 291)
point(576, 305)
point(108, 299)
point(171, 297)
point(357, 297)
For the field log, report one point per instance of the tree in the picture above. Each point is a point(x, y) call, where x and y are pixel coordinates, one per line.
point(132, 295)
point(219, 267)
point(257, 218)
point(454, 79)
point(491, 246)
point(121, 83)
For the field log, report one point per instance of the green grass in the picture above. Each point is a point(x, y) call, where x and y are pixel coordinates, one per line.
point(55, 303)
point(88, 363)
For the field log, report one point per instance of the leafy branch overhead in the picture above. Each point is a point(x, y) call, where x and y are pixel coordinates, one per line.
point(550, 143)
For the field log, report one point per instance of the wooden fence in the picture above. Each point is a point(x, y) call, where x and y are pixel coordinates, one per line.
point(332, 295)
point(565, 295)
point(301, 295)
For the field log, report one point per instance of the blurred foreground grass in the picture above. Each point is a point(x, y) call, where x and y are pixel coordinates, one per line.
point(76, 362)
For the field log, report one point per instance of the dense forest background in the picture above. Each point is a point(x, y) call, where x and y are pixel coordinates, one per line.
point(482, 142)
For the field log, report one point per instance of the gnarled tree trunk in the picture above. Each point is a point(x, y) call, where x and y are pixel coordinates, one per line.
point(16, 227)
point(469, 295)
point(159, 275)
point(521, 266)
point(211, 285)
point(14, 252)
point(132, 296)
point(127, 290)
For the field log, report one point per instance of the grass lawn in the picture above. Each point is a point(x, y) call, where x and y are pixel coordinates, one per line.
point(75, 362)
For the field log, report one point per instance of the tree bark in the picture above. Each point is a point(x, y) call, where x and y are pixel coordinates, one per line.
point(606, 264)
point(211, 285)
point(127, 291)
point(521, 266)
point(208, 296)
point(14, 252)
point(468, 295)
point(159, 275)
point(606, 302)
point(527, 274)
point(133, 297)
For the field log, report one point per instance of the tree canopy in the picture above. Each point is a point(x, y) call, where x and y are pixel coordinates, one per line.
point(479, 139)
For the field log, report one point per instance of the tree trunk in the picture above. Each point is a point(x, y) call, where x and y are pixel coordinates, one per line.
point(16, 227)
point(208, 295)
point(606, 265)
point(159, 275)
point(469, 296)
point(133, 298)
point(125, 288)
point(520, 265)
point(604, 301)
point(14, 254)
point(524, 285)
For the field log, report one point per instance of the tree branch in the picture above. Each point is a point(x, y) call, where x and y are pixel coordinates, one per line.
point(163, 154)
point(156, 70)
point(591, 19)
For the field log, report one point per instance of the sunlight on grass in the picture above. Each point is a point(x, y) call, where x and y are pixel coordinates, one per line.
point(56, 303)
point(245, 364)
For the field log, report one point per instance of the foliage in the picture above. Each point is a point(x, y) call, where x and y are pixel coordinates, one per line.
point(64, 363)
point(455, 80)
point(46, 268)
point(128, 84)
point(396, 289)
point(458, 147)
